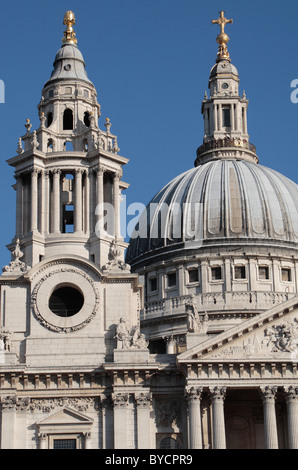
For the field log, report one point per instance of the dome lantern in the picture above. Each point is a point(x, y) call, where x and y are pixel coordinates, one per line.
point(225, 111)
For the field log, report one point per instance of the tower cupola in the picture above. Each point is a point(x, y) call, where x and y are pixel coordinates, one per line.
point(224, 111)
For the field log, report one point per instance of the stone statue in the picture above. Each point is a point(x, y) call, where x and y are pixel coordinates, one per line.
point(123, 335)
point(135, 341)
point(139, 340)
point(5, 340)
point(16, 264)
point(196, 323)
point(115, 263)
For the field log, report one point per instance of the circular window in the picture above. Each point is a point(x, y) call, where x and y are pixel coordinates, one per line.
point(66, 301)
point(225, 86)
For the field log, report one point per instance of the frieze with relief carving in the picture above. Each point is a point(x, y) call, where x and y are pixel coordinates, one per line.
point(278, 340)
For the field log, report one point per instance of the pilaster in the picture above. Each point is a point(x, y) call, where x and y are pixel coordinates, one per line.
point(120, 401)
point(143, 403)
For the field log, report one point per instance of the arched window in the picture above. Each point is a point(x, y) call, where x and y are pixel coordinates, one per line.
point(67, 120)
point(68, 146)
point(87, 119)
point(49, 119)
point(50, 145)
point(85, 145)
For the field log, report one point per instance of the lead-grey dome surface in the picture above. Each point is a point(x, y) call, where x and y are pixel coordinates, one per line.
point(69, 64)
point(238, 201)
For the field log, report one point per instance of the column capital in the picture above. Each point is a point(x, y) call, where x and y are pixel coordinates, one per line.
point(56, 171)
point(193, 393)
point(79, 171)
point(120, 400)
point(9, 402)
point(117, 175)
point(100, 170)
point(34, 171)
point(218, 393)
point(291, 393)
point(268, 393)
point(143, 400)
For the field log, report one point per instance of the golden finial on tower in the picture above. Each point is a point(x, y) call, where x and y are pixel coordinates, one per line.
point(69, 34)
point(222, 39)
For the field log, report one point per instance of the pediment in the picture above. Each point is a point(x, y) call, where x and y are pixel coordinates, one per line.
point(271, 335)
point(66, 417)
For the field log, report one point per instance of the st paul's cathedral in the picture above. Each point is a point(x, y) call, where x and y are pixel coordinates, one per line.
point(184, 338)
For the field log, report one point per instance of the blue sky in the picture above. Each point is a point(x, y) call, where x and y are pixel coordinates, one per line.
point(150, 62)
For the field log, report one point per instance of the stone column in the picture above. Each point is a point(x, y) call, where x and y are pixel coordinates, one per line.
point(99, 200)
point(292, 403)
point(244, 119)
point(46, 201)
point(143, 401)
point(215, 117)
point(170, 344)
point(218, 419)
point(87, 202)
point(78, 200)
point(19, 203)
point(87, 440)
point(236, 118)
point(43, 440)
point(193, 396)
point(220, 117)
point(34, 199)
point(8, 422)
point(120, 401)
point(270, 427)
point(116, 203)
point(56, 201)
point(43, 202)
point(232, 117)
point(107, 419)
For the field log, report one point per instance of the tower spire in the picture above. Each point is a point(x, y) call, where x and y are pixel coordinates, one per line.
point(222, 39)
point(69, 34)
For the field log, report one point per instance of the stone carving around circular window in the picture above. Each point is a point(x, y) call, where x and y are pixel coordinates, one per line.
point(65, 300)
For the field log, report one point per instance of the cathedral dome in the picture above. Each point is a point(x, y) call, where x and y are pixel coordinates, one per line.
point(218, 203)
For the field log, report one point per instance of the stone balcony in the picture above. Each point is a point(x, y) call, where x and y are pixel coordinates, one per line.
point(215, 301)
point(235, 144)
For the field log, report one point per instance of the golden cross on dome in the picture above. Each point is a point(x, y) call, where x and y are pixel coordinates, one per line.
point(69, 34)
point(222, 38)
point(222, 21)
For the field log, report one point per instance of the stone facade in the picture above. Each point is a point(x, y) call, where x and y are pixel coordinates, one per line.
point(182, 345)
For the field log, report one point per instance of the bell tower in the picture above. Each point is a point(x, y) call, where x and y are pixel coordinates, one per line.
point(68, 171)
point(67, 285)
